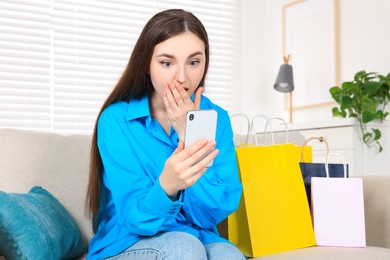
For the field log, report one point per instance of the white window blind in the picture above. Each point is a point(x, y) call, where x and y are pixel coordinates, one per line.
point(61, 58)
point(25, 64)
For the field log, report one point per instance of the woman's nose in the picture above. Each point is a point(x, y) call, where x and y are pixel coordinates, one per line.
point(181, 74)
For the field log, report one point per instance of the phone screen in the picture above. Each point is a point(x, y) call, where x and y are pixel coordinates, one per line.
point(200, 124)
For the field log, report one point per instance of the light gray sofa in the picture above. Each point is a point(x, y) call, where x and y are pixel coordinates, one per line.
point(60, 163)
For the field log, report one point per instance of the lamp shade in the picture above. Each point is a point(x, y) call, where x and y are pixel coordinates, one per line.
point(285, 81)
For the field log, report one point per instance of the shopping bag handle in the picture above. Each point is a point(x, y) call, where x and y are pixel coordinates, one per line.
point(248, 124)
point(321, 139)
point(271, 131)
point(343, 160)
point(253, 130)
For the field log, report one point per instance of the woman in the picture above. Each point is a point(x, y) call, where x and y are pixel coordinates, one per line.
point(146, 196)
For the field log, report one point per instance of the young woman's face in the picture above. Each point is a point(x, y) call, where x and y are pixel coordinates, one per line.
point(181, 58)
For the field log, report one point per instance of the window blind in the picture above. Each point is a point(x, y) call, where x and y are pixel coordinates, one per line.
point(25, 28)
point(61, 58)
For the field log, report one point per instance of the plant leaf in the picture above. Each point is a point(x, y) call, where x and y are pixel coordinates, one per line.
point(335, 92)
point(370, 76)
point(359, 76)
point(388, 79)
point(346, 100)
point(367, 137)
point(343, 113)
point(368, 104)
point(380, 115)
point(372, 87)
point(367, 117)
point(352, 114)
point(349, 88)
point(335, 112)
point(377, 134)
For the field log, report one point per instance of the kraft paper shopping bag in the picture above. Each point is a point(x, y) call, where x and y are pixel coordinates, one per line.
point(274, 214)
point(338, 210)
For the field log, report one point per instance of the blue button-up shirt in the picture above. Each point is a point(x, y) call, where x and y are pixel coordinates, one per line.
point(134, 147)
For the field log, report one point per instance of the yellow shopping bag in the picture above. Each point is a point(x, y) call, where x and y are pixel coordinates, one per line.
point(274, 214)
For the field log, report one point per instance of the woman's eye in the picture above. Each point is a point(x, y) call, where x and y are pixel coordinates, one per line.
point(194, 62)
point(166, 63)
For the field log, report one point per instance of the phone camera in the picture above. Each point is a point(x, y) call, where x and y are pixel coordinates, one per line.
point(192, 117)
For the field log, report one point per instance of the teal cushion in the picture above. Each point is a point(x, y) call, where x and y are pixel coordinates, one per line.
point(37, 226)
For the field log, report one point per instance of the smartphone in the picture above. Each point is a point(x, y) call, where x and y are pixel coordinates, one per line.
point(200, 124)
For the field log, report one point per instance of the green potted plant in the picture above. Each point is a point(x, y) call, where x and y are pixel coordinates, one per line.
point(365, 98)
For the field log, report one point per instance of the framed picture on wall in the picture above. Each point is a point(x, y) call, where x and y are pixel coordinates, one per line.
point(310, 37)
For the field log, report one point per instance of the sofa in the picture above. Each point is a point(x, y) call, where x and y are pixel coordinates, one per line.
point(59, 164)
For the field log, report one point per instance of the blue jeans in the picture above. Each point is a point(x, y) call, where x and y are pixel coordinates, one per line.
point(178, 245)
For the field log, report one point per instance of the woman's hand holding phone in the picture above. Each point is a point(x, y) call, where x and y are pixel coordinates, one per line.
point(186, 165)
point(189, 162)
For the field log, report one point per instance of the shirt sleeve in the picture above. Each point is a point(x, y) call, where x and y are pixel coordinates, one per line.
point(132, 193)
point(217, 193)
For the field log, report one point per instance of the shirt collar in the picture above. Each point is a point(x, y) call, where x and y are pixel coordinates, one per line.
point(138, 108)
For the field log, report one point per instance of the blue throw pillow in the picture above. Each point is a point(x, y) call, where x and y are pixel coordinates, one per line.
point(37, 226)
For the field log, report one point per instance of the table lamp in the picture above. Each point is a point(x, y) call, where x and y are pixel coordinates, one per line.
point(285, 81)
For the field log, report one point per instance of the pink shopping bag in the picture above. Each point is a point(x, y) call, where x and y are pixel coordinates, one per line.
point(338, 210)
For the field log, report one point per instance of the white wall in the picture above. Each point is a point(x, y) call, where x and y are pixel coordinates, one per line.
point(364, 44)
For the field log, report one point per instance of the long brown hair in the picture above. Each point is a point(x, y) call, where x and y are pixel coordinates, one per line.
point(135, 81)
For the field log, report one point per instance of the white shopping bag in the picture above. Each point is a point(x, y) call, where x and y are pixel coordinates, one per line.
point(338, 210)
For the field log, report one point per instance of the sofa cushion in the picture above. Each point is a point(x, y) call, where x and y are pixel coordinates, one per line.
point(37, 226)
point(59, 163)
